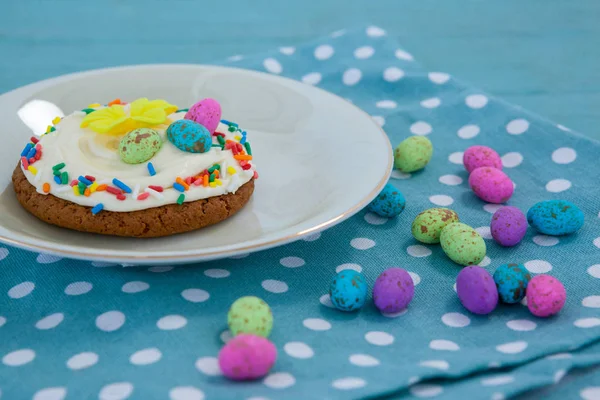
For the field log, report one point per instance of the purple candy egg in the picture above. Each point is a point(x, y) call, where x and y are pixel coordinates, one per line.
point(508, 226)
point(207, 113)
point(393, 290)
point(476, 290)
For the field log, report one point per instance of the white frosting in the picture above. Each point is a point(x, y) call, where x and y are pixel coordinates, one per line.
point(86, 152)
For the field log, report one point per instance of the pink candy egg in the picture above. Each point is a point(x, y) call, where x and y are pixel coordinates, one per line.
point(546, 295)
point(206, 112)
point(247, 357)
point(491, 185)
point(481, 156)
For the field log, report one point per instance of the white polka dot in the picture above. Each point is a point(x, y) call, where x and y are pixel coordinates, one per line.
point(543, 240)
point(492, 208)
point(511, 160)
point(558, 375)
point(468, 132)
point(559, 356)
point(400, 175)
point(590, 393)
point(512, 347)
point(420, 128)
point(312, 79)
point(316, 324)
point(18, 357)
point(51, 321)
point(441, 200)
point(363, 360)
point(497, 396)
point(418, 250)
point(342, 267)
point(437, 364)
point(186, 393)
point(3, 253)
point(393, 74)
point(375, 31)
point(476, 101)
point(364, 52)
point(431, 103)
point(497, 380)
point(484, 232)
point(145, 356)
point(517, 126)
point(292, 262)
point(597, 242)
point(82, 360)
point(455, 320)
point(538, 266)
point(349, 383)
point(98, 264)
point(441, 344)
point(279, 380)
point(257, 398)
point(594, 271)
point(485, 262)
point(195, 295)
point(2, 321)
point(288, 50)
point(47, 259)
point(379, 338)
point(236, 57)
point(415, 278)
point(362, 243)
point(171, 322)
point(77, 288)
point(438, 77)
point(591, 302)
point(403, 55)
point(326, 301)
point(521, 325)
point(226, 336)
point(451, 180)
point(351, 76)
point(160, 269)
point(558, 185)
point(274, 286)
point(413, 379)
point(52, 393)
point(456, 158)
point(323, 52)
point(135, 287)
point(21, 290)
point(426, 390)
point(312, 237)
point(116, 391)
point(208, 366)
point(379, 120)
point(564, 155)
point(339, 33)
point(298, 350)
point(524, 301)
point(454, 286)
point(273, 66)
point(375, 219)
point(387, 104)
point(395, 314)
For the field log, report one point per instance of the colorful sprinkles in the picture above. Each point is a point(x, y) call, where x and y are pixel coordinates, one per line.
point(151, 169)
point(121, 185)
point(97, 208)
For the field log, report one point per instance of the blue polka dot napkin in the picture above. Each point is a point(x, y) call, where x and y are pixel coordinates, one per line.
point(78, 330)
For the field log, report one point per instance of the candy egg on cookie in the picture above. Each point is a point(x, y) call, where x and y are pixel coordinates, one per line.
point(206, 112)
point(189, 136)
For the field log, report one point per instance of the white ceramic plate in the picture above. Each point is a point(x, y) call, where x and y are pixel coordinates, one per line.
point(320, 159)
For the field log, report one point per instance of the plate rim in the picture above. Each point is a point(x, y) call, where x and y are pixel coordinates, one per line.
point(188, 256)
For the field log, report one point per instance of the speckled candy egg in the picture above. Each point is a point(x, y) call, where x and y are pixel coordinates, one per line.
point(481, 156)
point(247, 357)
point(511, 281)
point(508, 226)
point(389, 203)
point(393, 290)
point(428, 225)
point(348, 290)
point(546, 295)
point(206, 112)
point(555, 217)
point(139, 145)
point(462, 244)
point(491, 185)
point(413, 154)
point(189, 136)
point(476, 290)
point(250, 314)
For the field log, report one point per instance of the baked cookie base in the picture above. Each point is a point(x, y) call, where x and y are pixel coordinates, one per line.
point(166, 220)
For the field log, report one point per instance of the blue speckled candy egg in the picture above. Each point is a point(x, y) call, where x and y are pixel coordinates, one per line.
point(511, 281)
point(555, 217)
point(348, 290)
point(189, 136)
point(389, 203)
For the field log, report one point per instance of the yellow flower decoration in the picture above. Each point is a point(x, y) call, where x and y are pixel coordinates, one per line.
point(142, 113)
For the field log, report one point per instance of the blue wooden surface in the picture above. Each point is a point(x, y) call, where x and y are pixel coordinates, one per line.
point(543, 55)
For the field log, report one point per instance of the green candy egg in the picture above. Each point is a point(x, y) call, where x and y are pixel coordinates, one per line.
point(413, 154)
point(462, 244)
point(139, 145)
point(428, 225)
point(250, 315)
